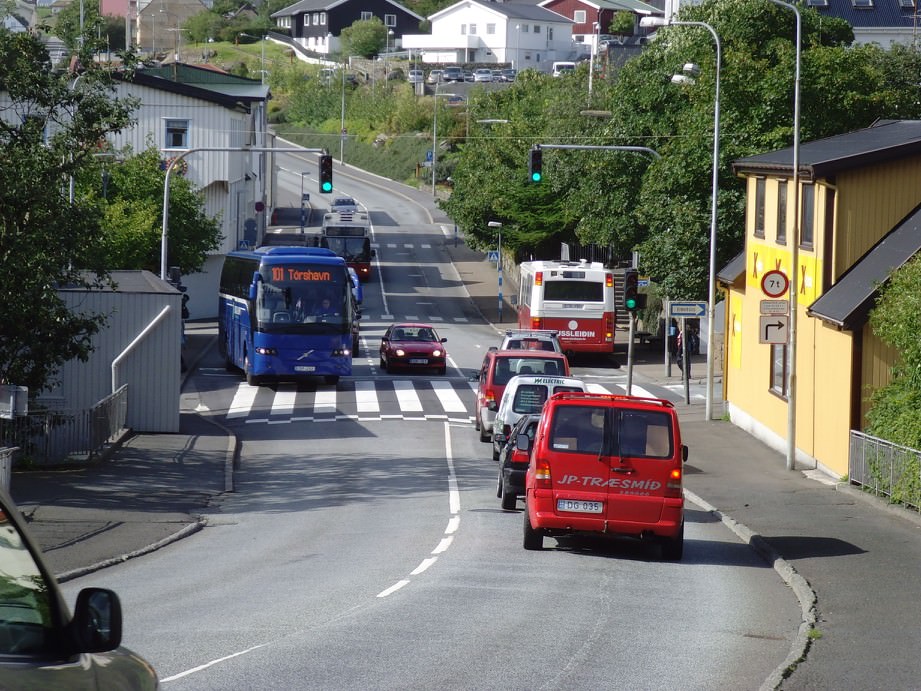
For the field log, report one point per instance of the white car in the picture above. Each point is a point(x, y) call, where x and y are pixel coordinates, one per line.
point(482, 74)
point(435, 77)
point(416, 77)
point(346, 204)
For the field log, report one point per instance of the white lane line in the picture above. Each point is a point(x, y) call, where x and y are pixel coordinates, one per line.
point(448, 397)
point(324, 400)
point(453, 522)
point(407, 396)
point(283, 403)
point(243, 401)
point(596, 388)
point(213, 662)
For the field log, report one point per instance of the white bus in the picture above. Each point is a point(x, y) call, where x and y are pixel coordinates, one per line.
point(575, 298)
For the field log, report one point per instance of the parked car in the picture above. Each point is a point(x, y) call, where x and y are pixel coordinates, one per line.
point(513, 462)
point(509, 74)
point(413, 345)
point(435, 77)
point(482, 74)
point(453, 74)
point(416, 77)
point(609, 465)
point(562, 67)
point(497, 368)
point(526, 394)
point(469, 76)
point(531, 339)
point(43, 645)
point(497, 76)
point(396, 74)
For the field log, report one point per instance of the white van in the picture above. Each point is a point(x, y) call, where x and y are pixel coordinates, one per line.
point(525, 394)
point(561, 68)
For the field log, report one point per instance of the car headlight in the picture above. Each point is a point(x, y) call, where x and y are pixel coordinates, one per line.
point(436, 353)
point(399, 352)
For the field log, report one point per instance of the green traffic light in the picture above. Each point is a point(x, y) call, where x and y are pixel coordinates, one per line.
point(327, 187)
point(630, 304)
point(536, 176)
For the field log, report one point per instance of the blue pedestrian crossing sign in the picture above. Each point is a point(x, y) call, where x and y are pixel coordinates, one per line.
point(493, 255)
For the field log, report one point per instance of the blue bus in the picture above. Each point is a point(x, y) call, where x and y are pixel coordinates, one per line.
point(286, 312)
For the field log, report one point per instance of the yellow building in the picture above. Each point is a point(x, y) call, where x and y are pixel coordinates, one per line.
point(858, 219)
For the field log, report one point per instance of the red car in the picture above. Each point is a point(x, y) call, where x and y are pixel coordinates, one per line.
point(413, 346)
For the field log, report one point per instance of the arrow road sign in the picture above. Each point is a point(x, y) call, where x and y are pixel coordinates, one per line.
point(687, 309)
point(774, 329)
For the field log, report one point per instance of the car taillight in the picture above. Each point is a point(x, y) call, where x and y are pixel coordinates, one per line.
point(542, 475)
point(538, 278)
point(609, 280)
point(489, 396)
point(673, 486)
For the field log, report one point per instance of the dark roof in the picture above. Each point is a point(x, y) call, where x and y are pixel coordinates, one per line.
point(326, 6)
point(226, 90)
point(882, 13)
point(848, 302)
point(735, 268)
point(885, 140)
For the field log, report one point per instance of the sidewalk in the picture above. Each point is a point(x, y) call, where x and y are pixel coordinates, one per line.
point(850, 559)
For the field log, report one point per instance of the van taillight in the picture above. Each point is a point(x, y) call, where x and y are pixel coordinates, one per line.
point(538, 278)
point(673, 486)
point(542, 475)
point(537, 323)
point(609, 280)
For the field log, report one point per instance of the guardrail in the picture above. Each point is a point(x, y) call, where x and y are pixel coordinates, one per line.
point(58, 436)
point(886, 469)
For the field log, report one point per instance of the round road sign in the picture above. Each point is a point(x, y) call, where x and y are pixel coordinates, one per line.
point(775, 283)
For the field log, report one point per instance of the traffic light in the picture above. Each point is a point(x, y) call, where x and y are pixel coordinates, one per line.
point(326, 173)
point(631, 290)
point(536, 164)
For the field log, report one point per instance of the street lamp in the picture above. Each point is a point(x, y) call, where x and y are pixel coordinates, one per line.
point(435, 133)
point(794, 249)
point(591, 64)
point(714, 190)
point(498, 226)
point(515, 65)
point(178, 41)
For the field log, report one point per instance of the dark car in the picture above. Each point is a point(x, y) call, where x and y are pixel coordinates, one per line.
point(43, 645)
point(452, 74)
point(413, 346)
point(513, 462)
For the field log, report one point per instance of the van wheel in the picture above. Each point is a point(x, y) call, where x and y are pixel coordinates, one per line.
point(673, 548)
point(533, 539)
point(495, 454)
point(484, 437)
point(509, 501)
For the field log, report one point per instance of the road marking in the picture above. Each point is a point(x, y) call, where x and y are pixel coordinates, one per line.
point(366, 397)
point(283, 403)
point(243, 400)
point(450, 401)
point(407, 396)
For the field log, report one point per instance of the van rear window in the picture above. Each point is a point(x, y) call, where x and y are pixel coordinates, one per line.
point(610, 431)
point(508, 367)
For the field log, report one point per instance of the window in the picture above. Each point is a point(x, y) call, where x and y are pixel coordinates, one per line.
point(390, 20)
point(782, 212)
point(490, 29)
point(463, 29)
point(907, 4)
point(316, 19)
point(306, 20)
point(537, 28)
point(323, 18)
point(579, 16)
point(759, 207)
point(473, 29)
point(817, 3)
point(365, 16)
point(779, 369)
point(807, 227)
point(862, 4)
point(177, 134)
point(524, 28)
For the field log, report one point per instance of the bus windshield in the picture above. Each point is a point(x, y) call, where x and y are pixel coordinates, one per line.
point(352, 249)
point(302, 298)
point(574, 291)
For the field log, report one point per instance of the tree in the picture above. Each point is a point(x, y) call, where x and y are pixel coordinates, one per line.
point(132, 208)
point(896, 319)
point(366, 37)
point(661, 207)
point(48, 239)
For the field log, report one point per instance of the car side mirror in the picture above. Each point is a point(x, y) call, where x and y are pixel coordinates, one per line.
point(444, 340)
point(684, 452)
point(97, 622)
point(523, 442)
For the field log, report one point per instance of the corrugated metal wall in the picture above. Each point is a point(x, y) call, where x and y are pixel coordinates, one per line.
point(152, 370)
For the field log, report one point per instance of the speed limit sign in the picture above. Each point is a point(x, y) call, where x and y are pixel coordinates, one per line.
point(775, 283)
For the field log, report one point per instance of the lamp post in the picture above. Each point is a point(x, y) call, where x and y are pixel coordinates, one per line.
point(262, 63)
point(435, 133)
point(591, 63)
point(515, 66)
point(178, 41)
point(794, 248)
point(498, 225)
point(342, 119)
point(714, 193)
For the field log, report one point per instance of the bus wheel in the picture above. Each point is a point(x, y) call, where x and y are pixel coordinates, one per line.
point(331, 378)
point(252, 379)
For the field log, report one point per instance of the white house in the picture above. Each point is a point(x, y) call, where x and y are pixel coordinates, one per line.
point(486, 32)
point(187, 107)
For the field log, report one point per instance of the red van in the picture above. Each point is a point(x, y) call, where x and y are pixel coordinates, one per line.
point(606, 464)
point(501, 365)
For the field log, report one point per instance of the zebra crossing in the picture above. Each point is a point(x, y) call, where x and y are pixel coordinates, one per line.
point(359, 400)
point(368, 400)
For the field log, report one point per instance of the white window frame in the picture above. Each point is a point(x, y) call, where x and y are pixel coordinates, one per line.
point(578, 16)
point(174, 126)
point(473, 29)
point(306, 20)
point(490, 29)
point(322, 18)
point(365, 16)
point(390, 21)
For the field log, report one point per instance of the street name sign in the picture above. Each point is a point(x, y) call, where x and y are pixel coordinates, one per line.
point(687, 309)
point(774, 329)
